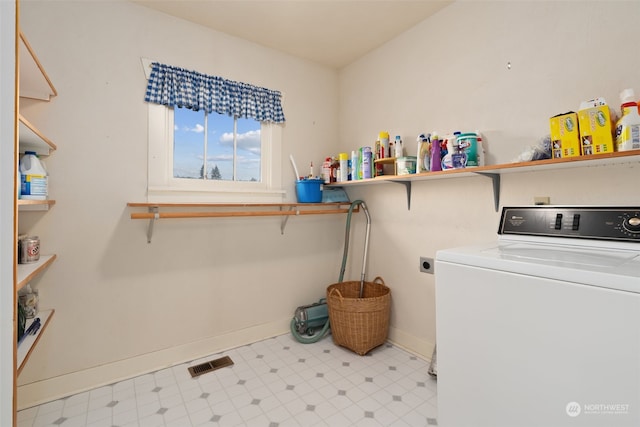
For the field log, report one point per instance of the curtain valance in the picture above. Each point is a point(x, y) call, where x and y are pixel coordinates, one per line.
point(177, 87)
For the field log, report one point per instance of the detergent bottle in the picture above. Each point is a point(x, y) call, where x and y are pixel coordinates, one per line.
point(33, 177)
point(628, 126)
point(423, 156)
point(436, 161)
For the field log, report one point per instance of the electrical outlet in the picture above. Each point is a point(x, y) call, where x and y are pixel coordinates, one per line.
point(426, 265)
point(542, 200)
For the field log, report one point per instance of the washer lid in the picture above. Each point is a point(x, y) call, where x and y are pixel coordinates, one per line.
point(602, 267)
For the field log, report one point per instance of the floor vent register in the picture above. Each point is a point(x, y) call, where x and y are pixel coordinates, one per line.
point(210, 366)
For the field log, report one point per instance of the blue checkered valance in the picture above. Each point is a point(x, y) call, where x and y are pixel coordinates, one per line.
point(177, 87)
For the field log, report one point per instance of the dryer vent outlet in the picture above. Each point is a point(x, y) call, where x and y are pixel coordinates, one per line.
point(426, 265)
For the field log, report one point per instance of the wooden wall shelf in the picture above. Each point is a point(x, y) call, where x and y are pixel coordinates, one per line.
point(496, 171)
point(34, 81)
point(29, 342)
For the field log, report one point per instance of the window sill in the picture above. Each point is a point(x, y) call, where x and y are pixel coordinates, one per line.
point(181, 195)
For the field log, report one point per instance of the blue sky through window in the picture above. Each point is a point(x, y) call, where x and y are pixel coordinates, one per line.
point(189, 140)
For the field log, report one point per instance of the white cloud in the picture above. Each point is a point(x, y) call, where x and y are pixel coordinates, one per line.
point(249, 141)
point(198, 128)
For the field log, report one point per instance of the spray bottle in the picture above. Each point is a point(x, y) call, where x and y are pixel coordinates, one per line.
point(423, 159)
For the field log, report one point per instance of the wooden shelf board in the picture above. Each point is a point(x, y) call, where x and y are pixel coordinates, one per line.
point(35, 205)
point(29, 342)
point(27, 272)
point(34, 81)
point(31, 139)
point(549, 164)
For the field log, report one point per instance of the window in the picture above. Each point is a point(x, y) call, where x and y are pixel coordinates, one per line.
point(183, 144)
point(216, 147)
point(198, 154)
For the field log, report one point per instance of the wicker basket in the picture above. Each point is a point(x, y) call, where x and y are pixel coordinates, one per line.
point(359, 324)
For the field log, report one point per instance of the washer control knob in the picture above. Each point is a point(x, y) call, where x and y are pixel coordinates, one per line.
point(632, 224)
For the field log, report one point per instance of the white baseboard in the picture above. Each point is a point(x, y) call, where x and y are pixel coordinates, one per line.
point(50, 389)
point(410, 343)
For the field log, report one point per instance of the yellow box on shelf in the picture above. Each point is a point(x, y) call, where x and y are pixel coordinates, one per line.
point(565, 138)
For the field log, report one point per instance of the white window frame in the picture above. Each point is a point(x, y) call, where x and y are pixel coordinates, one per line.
point(163, 187)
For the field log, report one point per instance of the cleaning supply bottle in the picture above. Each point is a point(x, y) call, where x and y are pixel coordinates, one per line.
point(436, 161)
point(384, 144)
point(399, 147)
point(628, 126)
point(33, 177)
point(18, 180)
point(367, 161)
point(355, 165)
point(480, 141)
point(423, 160)
point(344, 167)
point(326, 170)
point(447, 150)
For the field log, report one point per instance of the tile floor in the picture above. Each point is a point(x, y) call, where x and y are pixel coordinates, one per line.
point(277, 382)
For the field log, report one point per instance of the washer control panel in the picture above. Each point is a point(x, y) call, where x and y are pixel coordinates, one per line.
point(600, 223)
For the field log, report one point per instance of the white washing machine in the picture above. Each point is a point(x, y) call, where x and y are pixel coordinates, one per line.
point(541, 328)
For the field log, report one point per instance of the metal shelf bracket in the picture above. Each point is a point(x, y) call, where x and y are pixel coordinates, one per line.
point(156, 215)
point(283, 223)
point(407, 185)
point(496, 187)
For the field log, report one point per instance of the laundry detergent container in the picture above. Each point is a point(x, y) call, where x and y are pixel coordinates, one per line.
point(309, 190)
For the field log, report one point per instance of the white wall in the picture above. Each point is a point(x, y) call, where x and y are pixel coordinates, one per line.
point(450, 73)
point(124, 306)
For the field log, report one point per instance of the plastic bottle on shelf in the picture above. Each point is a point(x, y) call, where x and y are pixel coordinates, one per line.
point(343, 158)
point(423, 159)
point(399, 147)
point(436, 161)
point(480, 141)
point(326, 170)
point(334, 170)
point(367, 162)
point(384, 144)
point(355, 165)
point(18, 180)
point(628, 126)
point(33, 177)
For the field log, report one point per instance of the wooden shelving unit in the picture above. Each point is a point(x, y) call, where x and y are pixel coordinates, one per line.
point(34, 83)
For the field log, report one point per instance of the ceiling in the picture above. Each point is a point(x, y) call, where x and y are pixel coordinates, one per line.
point(330, 32)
